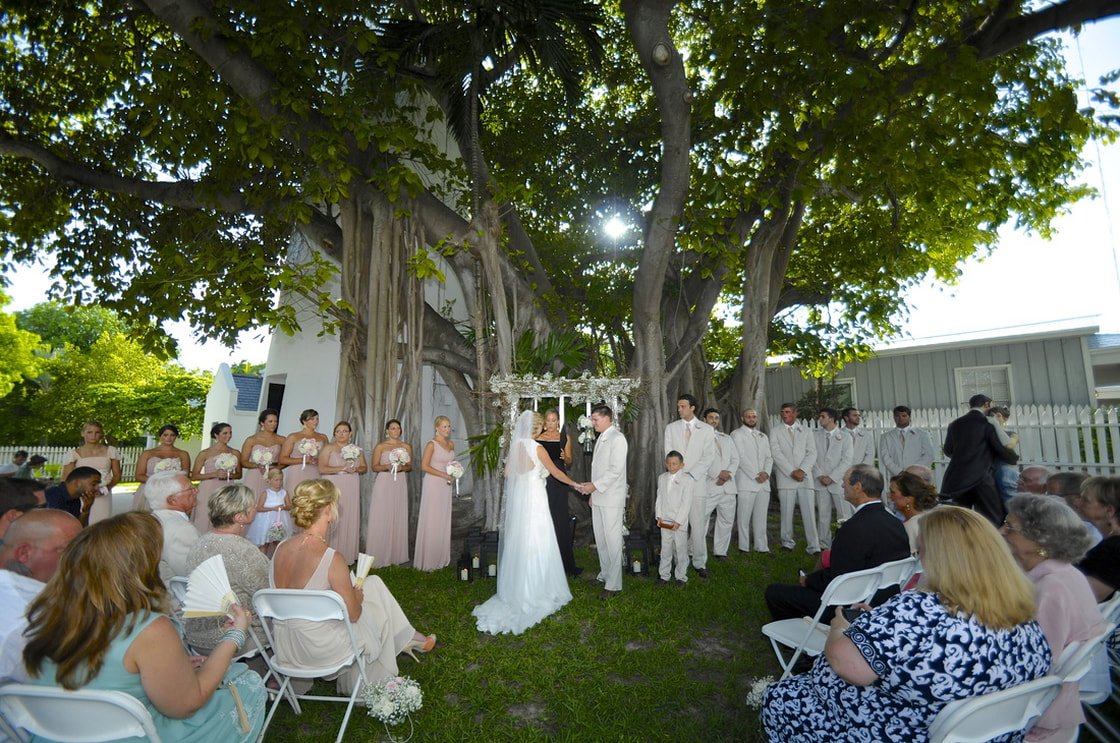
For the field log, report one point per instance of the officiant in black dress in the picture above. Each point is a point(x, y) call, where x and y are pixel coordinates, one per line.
point(559, 447)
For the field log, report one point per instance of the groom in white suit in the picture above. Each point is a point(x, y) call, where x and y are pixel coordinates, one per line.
point(608, 497)
point(696, 440)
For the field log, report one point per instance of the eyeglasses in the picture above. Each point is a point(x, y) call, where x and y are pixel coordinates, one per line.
point(1011, 527)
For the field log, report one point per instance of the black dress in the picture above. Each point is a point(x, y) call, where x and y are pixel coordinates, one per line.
point(558, 504)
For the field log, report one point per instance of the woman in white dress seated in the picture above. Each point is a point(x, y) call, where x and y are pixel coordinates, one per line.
point(306, 562)
point(532, 583)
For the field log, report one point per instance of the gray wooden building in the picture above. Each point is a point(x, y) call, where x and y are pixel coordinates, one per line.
point(1074, 366)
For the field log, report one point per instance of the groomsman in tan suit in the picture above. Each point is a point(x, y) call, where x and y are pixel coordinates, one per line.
point(696, 440)
point(721, 487)
point(794, 457)
point(752, 480)
point(834, 457)
point(608, 497)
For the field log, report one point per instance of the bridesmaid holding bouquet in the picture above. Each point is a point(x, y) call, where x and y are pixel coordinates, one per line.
point(387, 527)
point(94, 452)
point(261, 452)
point(433, 526)
point(341, 462)
point(163, 457)
point(300, 451)
point(214, 467)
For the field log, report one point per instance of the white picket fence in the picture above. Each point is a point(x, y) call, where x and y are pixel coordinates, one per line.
point(1058, 437)
point(55, 457)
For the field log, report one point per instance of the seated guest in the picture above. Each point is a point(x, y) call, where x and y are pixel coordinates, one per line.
point(232, 509)
point(119, 637)
point(1068, 485)
point(28, 559)
point(923, 472)
point(76, 493)
point(306, 562)
point(172, 498)
point(1046, 537)
point(12, 467)
point(869, 538)
point(14, 503)
point(911, 497)
point(1100, 504)
point(27, 469)
point(888, 673)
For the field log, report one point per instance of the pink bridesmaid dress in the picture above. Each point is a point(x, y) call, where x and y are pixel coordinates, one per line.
point(253, 478)
point(200, 517)
point(433, 525)
point(139, 502)
point(297, 473)
point(343, 535)
point(102, 507)
point(387, 525)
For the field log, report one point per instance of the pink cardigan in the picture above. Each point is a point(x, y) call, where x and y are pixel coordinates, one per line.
point(1067, 612)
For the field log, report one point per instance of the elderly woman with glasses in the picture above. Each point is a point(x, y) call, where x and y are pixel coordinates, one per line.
point(1046, 537)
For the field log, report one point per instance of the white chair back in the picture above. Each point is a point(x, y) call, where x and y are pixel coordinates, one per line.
point(281, 604)
point(898, 573)
point(82, 716)
point(177, 586)
point(979, 719)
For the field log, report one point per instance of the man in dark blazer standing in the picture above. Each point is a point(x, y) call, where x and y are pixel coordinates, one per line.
point(869, 538)
point(972, 445)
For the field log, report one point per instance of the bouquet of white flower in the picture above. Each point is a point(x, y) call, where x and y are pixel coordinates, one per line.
point(586, 433)
point(455, 469)
point(392, 701)
point(758, 687)
point(168, 465)
point(261, 457)
point(308, 448)
point(398, 458)
point(226, 462)
point(351, 452)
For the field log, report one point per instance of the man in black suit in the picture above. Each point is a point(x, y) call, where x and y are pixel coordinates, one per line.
point(869, 538)
point(972, 445)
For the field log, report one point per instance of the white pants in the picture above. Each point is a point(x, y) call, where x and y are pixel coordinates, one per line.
point(754, 506)
point(607, 525)
point(723, 504)
point(674, 545)
point(828, 499)
point(804, 498)
point(698, 522)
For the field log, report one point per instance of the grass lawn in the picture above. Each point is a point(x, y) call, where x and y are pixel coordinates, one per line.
point(669, 663)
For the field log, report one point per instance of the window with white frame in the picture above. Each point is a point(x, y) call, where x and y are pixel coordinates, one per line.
point(993, 381)
point(846, 387)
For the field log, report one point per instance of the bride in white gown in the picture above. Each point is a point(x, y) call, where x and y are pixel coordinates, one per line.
point(531, 579)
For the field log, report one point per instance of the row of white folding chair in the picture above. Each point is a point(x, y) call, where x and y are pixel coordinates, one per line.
point(82, 716)
point(1095, 721)
point(807, 635)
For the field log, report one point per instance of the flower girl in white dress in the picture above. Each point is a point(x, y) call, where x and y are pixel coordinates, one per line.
point(273, 523)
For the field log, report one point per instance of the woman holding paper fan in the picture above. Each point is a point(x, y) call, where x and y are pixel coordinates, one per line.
point(300, 451)
point(164, 456)
point(387, 528)
point(306, 562)
point(433, 525)
point(261, 451)
point(341, 462)
point(102, 623)
point(214, 467)
point(232, 509)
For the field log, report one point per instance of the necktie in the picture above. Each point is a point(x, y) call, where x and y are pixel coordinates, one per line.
point(902, 438)
point(687, 434)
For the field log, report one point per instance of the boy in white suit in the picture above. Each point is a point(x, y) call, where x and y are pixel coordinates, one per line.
point(671, 509)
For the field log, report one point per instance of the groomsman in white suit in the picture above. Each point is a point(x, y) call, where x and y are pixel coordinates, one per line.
point(794, 457)
point(721, 486)
point(608, 497)
point(904, 445)
point(834, 457)
point(863, 443)
point(752, 480)
point(696, 440)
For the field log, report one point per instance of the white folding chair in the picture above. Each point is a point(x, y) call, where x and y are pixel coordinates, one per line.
point(1103, 665)
point(898, 573)
point(980, 718)
point(807, 635)
point(280, 604)
point(82, 716)
point(178, 588)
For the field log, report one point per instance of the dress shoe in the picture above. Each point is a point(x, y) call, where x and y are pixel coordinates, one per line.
point(787, 549)
point(415, 646)
point(661, 582)
point(605, 594)
point(721, 558)
point(682, 583)
point(576, 572)
point(702, 572)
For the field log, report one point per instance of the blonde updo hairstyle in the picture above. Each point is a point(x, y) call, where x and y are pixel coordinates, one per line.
point(310, 498)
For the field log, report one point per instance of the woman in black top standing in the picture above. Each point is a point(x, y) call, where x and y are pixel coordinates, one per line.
point(559, 448)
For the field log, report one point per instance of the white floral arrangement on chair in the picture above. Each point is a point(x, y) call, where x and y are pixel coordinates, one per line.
point(350, 452)
point(169, 465)
point(226, 462)
point(758, 688)
point(398, 458)
point(392, 701)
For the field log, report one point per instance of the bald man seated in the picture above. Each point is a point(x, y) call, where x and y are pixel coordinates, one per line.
point(28, 559)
